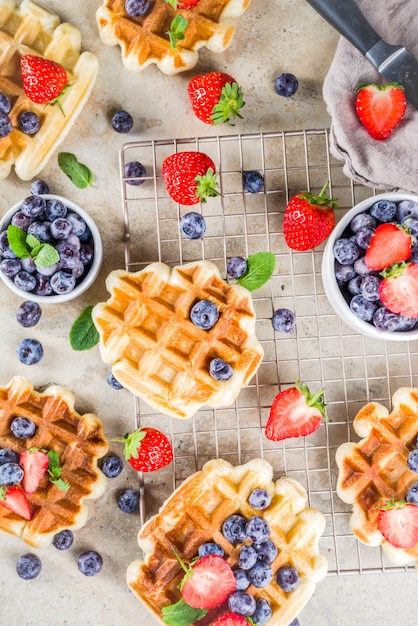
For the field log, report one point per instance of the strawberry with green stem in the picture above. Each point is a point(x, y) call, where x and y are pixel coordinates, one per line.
point(215, 97)
point(146, 449)
point(44, 81)
point(380, 108)
point(308, 219)
point(398, 523)
point(190, 177)
point(207, 582)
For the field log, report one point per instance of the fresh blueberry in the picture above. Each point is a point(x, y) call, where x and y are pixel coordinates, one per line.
point(412, 461)
point(236, 266)
point(369, 288)
point(63, 540)
point(386, 320)
point(344, 273)
point(287, 578)
point(28, 264)
point(253, 182)
point(21, 220)
point(266, 551)
point(78, 223)
point(193, 225)
point(122, 122)
point(354, 285)
point(259, 499)
point(43, 285)
point(135, 172)
point(61, 228)
point(234, 529)
point(204, 314)
point(411, 223)
point(405, 209)
point(136, 8)
point(33, 206)
point(219, 370)
point(8, 456)
point(247, 557)
point(40, 230)
point(45, 270)
point(89, 563)
point(128, 501)
point(262, 612)
point(54, 209)
point(362, 308)
point(24, 281)
point(29, 122)
point(286, 84)
point(86, 253)
point(62, 282)
point(362, 220)
point(257, 529)
point(10, 267)
point(23, 427)
point(412, 494)
point(5, 104)
point(10, 474)
point(5, 249)
point(260, 574)
point(113, 382)
point(383, 210)
point(28, 566)
point(28, 314)
point(29, 351)
point(346, 251)
point(39, 187)
point(407, 323)
point(283, 320)
point(295, 622)
point(78, 270)
point(210, 547)
point(241, 603)
point(361, 268)
point(241, 579)
point(112, 466)
point(5, 125)
point(363, 237)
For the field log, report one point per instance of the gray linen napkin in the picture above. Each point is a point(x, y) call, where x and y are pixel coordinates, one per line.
point(391, 164)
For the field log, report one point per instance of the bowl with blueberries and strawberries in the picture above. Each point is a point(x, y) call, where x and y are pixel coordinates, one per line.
point(370, 267)
point(50, 249)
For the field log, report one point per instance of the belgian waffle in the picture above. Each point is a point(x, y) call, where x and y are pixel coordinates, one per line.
point(156, 351)
point(144, 40)
point(79, 442)
point(32, 29)
point(194, 514)
point(374, 469)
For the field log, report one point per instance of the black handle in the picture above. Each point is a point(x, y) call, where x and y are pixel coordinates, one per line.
point(349, 21)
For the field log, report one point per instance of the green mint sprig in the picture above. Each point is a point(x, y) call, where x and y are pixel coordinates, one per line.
point(83, 333)
point(54, 471)
point(77, 172)
point(181, 614)
point(260, 268)
point(24, 246)
point(177, 29)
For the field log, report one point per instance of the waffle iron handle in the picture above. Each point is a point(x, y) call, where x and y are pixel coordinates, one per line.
point(349, 21)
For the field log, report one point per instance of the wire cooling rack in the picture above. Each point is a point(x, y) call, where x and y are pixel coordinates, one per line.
point(322, 351)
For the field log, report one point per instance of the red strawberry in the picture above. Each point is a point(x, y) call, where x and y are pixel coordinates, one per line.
point(209, 583)
point(190, 177)
point(399, 289)
point(34, 463)
point(147, 449)
point(44, 81)
point(231, 619)
point(398, 523)
point(308, 219)
point(215, 97)
point(183, 4)
point(295, 412)
point(380, 108)
point(389, 244)
point(14, 499)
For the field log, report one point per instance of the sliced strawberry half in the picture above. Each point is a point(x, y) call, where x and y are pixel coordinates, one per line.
point(389, 244)
point(398, 523)
point(295, 412)
point(231, 619)
point(380, 108)
point(14, 499)
point(34, 463)
point(399, 289)
point(209, 583)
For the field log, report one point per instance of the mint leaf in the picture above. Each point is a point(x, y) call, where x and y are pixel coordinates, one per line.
point(77, 172)
point(54, 471)
point(260, 267)
point(181, 614)
point(45, 255)
point(17, 240)
point(33, 242)
point(177, 29)
point(83, 333)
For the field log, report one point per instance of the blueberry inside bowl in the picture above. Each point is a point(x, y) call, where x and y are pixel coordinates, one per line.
point(352, 288)
point(61, 250)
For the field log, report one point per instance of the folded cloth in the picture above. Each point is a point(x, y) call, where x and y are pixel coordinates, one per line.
point(390, 164)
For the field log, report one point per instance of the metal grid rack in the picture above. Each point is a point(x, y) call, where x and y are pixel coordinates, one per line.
point(322, 351)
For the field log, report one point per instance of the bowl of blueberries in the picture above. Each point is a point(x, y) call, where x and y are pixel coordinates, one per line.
point(50, 249)
point(370, 267)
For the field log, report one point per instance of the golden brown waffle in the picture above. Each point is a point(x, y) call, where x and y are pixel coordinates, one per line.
point(144, 40)
point(156, 351)
point(374, 469)
point(195, 513)
point(32, 29)
point(79, 442)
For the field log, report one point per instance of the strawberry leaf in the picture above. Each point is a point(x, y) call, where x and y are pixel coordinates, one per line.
point(77, 172)
point(132, 442)
point(260, 268)
point(181, 614)
point(83, 333)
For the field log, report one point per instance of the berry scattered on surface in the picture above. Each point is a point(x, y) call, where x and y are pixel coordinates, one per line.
point(286, 84)
point(247, 557)
point(412, 461)
point(260, 574)
point(257, 529)
point(252, 181)
point(89, 563)
point(5, 104)
point(236, 266)
point(128, 501)
point(63, 540)
point(147, 449)
point(234, 529)
point(262, 612)
point(287, 578)
point(113, 382)
point(308, 219)
point(266, 551)
point(136, 8)
point(219, 370)
point(412, 494)
point(242, 603)
point(29, 122)
point(204, 314)
point(215, 97)
point(28, 314)
point(259, 499)
point(190, 177)
point(23, 427)
point(242, 579)
point(8, 456)
point(122, 122)
point(193, 225)
point(210, 547)
point(29, 351)
point(135, 172)
point(10, 474)
point(28, 566)
point(112, 466)
point(283, 320)
point(39, 187)
point(5, 125)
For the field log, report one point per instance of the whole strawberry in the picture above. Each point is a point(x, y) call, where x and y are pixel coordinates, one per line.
point(398, 523)
point(308, 219)
point(295, 412)
point(215, 97)
point(147, 449)
point(380, 108)
point(190, 177)
point(399, 289)
point(44, 81)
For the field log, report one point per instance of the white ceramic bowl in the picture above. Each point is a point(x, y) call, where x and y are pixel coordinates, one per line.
point(332, 290)
point(94, 268)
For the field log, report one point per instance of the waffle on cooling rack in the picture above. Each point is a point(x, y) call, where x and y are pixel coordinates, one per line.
point(144, 40)
point(31, 29)
point(156, 351)
point(79, 441)
point(195, 513)
point(374, 469)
